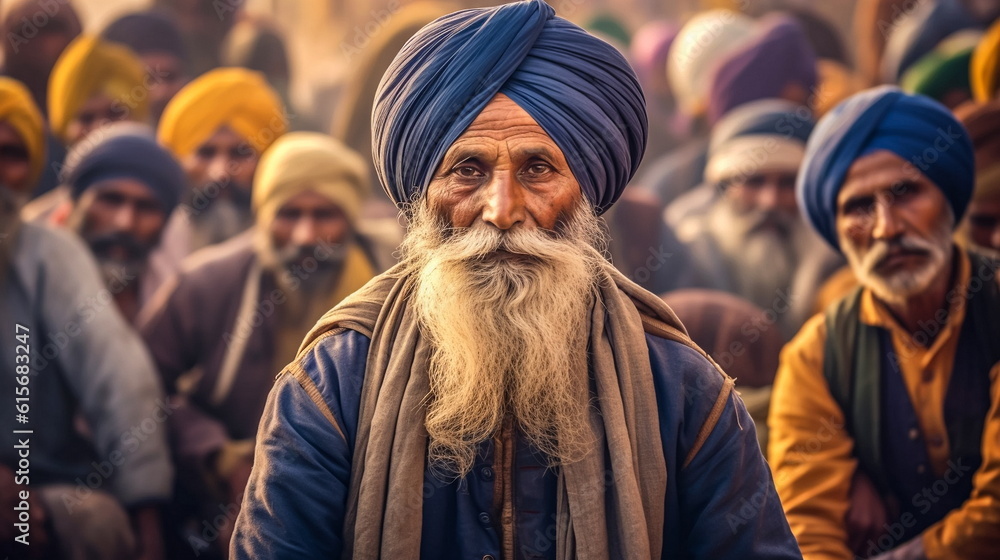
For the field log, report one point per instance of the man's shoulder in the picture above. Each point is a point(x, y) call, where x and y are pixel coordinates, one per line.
point(684, 376)
point(332, 371)
point(811, 336)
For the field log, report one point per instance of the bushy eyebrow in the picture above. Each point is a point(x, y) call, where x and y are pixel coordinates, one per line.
point(857, 202)
point(464, 153)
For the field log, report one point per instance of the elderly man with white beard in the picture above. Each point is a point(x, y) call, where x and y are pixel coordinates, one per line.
point(885, 415)
point(742, 227)
point(503, 392)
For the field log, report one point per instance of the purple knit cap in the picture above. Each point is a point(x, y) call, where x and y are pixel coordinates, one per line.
point(779, 56)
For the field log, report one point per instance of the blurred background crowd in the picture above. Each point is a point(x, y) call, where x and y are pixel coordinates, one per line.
point(187, 187)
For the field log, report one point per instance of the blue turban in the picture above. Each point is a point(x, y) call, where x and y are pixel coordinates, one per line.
point(130, 152)
point(914, 127)
point(579, 89)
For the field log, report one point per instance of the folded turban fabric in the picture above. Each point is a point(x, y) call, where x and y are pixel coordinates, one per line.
point(984, 70)
point(352, 120)
point(778, 57)
point(579, 89)
point(702, 43)
point(945, 69)
point(309, 161)
point(234, 97)
point(18, 109)
point(982, 120)
point(760, 136)
point(126, 151)
point(91, 66)
point(914, 127)
point(649, 50)
point(918, 31)
point(147, 32)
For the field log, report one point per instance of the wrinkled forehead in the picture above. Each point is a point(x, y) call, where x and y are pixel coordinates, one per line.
point(879, 171)
point(504, 125)
point(504, 121)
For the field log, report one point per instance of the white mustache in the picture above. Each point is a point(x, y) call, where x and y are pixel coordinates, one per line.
point(881, 249)
point(481, 241)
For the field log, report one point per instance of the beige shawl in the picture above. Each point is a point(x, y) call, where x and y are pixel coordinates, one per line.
point(604, 510)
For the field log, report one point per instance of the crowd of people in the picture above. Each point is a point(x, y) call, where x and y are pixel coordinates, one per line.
point(826, 231)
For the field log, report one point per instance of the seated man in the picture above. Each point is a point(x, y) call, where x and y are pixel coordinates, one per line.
point(885, 415)
point(504, 392)
point(239, 310)
point(83, 433)
point(217, 127)
point(742, 228)
point(123, 188)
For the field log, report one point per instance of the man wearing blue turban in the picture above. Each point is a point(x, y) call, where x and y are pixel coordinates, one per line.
point(503, 392)
point(885, 416)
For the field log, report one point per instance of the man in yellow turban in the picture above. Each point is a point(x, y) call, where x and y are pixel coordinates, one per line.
point(217, 127)
point(262, 291)
point(22, 137)
point(95, 82)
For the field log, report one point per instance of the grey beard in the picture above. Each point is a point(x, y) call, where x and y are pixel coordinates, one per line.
point(219, 221)
point(762, 262)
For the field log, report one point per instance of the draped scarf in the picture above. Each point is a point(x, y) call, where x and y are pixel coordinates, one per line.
point(610, 504)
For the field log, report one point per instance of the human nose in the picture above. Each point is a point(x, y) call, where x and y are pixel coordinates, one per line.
point(887, 224)
point(304, 232)
point(124, 217)
point(504, 206)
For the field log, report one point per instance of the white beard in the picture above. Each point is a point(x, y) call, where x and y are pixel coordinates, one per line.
point(763, 261)
point(509, 333)
point(898, 287)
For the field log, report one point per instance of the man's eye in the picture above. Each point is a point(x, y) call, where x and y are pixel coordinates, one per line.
point(904, 190)
point(467, 171)
point(858, 208)
point(539, 168)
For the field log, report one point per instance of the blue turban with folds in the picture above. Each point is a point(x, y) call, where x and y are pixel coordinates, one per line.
point(579, 89)
point(916, 128)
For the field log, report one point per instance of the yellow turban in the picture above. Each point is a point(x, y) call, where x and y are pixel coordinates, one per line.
point(303, 161)
point(90, 66)
point(235, 97)
point(18, 109)
point(985, 65)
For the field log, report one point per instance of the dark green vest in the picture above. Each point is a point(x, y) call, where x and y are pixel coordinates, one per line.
point(856, 357)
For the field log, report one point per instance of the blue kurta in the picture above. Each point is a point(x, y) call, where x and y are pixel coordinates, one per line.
point(722, 505)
